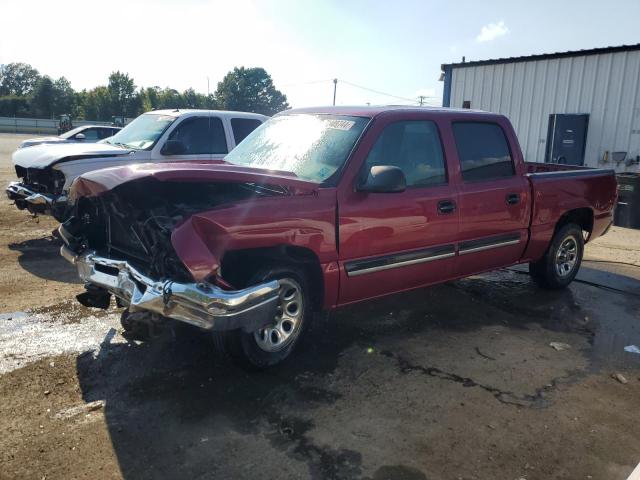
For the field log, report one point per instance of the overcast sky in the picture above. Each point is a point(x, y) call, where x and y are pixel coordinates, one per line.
point(395, 47)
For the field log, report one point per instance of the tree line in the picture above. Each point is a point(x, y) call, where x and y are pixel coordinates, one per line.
point(24, 92)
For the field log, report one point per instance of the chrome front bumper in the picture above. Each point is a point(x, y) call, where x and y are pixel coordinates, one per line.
point(33, 201)
point(204, 305)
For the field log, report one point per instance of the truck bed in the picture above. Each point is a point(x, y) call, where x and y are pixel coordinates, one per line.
point(538, 167)
point(557, 189)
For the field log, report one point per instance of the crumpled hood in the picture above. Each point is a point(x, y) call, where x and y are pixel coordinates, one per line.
point(43, 156)
point(98, 182)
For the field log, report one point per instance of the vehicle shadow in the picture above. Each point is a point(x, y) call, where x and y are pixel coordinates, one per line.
point(41, 257)
point(174, 410)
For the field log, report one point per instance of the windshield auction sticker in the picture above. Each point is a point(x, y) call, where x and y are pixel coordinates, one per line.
point(340, 124)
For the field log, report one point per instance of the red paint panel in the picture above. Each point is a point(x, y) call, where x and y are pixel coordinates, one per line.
point(381, 224)
point(192, 250)
point(306, 221)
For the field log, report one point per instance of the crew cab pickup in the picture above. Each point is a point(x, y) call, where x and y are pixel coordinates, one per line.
point(320, 208)
point(47, 171)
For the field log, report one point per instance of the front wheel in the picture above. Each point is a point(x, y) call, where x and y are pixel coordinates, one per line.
point(272, 344)
point(561, 262)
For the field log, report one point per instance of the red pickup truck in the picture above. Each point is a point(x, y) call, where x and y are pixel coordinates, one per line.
point(319, 208)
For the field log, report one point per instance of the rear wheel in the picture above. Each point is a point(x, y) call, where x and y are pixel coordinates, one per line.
point(561, 262)
point(272, 344)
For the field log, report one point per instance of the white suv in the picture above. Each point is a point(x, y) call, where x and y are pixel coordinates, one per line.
point(47, 171)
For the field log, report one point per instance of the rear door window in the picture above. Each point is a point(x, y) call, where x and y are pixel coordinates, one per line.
point(242, 127)
point(201, 136)
point(483, 151)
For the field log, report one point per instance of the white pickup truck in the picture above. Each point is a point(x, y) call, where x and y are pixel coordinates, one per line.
point(47, 171)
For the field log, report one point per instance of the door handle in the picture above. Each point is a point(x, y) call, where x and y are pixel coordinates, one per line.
point(446, 207)
point(513, 199)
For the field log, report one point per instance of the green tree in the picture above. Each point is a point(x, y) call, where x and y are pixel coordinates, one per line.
point(169, 98)
point(122, 92)
point(14, 106)
point(251, 90)
point(64, 97)
point(17, 79)
point(43, 98)
point(97, 104)
point(79, 101)
point(149, 98)
point(210, 102)
point(192, 99)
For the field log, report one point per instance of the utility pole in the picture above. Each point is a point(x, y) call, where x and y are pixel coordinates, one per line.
point(335, 85)
point(421, 97)
point(207, 86)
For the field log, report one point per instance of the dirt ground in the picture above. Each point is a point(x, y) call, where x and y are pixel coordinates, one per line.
point(457, 381)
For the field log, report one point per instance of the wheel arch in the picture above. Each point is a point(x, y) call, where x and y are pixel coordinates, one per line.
point(237, 266)
point(583, 217)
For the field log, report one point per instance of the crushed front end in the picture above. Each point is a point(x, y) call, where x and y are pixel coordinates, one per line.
point(120, 243)
point(40, 191)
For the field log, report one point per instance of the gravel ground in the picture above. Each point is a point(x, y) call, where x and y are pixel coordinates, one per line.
point(458, 381)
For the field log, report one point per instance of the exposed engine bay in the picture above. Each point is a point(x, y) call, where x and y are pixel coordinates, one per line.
point(134, 221)
point(47, 180)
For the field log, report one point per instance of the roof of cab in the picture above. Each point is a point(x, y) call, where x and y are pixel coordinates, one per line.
point(373, 111)
point(180, 112)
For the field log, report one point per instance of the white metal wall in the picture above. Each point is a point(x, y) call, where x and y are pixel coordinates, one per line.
point(605, 86)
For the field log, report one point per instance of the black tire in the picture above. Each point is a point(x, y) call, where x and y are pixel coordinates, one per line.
point(551, 272)
point(251, 350)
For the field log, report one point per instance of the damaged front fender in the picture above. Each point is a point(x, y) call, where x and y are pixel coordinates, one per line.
point(193, 252)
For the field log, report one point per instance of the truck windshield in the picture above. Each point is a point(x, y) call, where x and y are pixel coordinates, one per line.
point(143, 132)
point(313, 147)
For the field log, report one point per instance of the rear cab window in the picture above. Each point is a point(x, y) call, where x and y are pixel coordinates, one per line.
point(483, 151)
point(242, 127)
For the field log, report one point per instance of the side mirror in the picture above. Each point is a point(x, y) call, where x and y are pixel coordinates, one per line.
point(80, 136)
point(173, 147)
point(384, 179)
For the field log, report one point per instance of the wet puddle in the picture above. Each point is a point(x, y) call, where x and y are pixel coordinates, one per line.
point(602, 303)
point(29, 336)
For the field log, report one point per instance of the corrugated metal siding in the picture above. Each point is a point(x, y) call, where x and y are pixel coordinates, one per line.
point(604, 86)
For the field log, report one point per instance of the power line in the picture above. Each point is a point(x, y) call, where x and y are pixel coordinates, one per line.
point(419, 100)
point(378, 91)
point(312, 82)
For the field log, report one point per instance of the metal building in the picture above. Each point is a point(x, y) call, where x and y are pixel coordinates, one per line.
point(579, 107)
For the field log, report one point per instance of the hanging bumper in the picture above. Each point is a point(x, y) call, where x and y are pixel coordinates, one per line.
point(35, 202)
point(203, 305)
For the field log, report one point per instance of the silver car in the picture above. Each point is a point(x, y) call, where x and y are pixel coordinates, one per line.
point(85, 134)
